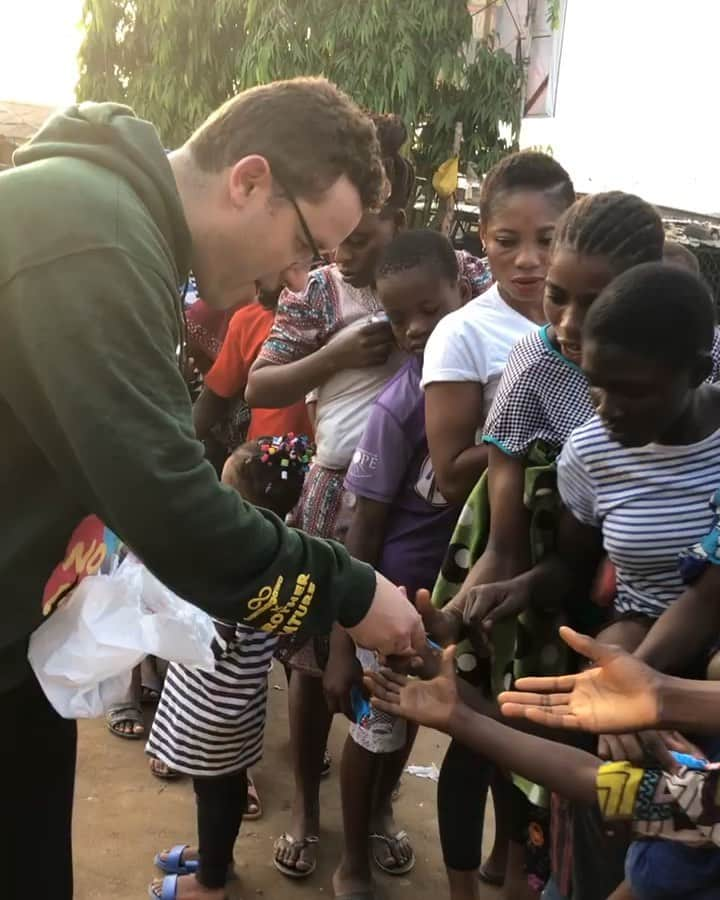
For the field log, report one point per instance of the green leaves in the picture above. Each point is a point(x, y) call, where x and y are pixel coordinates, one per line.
point(175, 61)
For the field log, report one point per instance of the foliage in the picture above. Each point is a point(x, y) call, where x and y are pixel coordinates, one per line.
point(174, 61)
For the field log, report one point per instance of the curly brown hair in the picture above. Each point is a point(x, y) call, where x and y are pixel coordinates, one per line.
point(309, 131)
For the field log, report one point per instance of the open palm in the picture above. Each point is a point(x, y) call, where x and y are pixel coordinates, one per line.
point(619, 694)
point(429, 703)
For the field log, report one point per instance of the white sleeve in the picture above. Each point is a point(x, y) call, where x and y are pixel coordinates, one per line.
point(455, 352)
point(576, 486)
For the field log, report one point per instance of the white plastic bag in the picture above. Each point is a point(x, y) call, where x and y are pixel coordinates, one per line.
point(83, 656)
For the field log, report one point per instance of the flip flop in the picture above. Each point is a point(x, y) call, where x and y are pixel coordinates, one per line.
point(169, 775)
point(125, 712)
point(392, 840)
point(168, 889)
point(253, 797)
point(490, 878)
point(149, 694)
point(301, 845)
point(173, 864)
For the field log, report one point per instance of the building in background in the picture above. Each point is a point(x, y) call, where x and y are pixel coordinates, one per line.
point(18, 123)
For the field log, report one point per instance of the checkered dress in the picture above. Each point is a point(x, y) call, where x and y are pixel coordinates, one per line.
point(544, 397)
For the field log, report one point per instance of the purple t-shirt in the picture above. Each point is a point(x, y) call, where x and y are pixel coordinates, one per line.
point(392, 465)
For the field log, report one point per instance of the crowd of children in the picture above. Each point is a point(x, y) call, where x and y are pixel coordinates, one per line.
point(495, 433)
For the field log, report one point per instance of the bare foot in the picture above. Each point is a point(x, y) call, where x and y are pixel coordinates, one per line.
point(347, 881)
point(189, 888)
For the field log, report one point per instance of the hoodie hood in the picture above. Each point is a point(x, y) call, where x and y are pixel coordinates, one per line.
point(110, 135)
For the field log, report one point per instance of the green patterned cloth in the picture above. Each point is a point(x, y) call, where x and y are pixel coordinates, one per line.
point(529, 644)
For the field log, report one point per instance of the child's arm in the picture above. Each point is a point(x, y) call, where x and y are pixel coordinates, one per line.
point(686, 629)
point(208, 410)
point(453, 415)
point(366, 534)
point(437, 704)
point(506, 555)
point(364, 541)
point(618, 694)
point(274, 384)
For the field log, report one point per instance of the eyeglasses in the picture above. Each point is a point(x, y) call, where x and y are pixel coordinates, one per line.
point(318, 258)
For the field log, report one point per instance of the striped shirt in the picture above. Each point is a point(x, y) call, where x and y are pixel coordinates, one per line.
point(650, 502)
point(213, 723)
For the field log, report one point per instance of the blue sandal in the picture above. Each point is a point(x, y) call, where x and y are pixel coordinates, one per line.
point(174, 865)
point(168, 889)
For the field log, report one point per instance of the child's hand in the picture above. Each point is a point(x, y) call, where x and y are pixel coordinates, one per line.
point(487, 604)
point(618, 694)
point(430, 703)
point(357, 348)
point(444, 625)
point(342, 672)
point(425, 664)
point(647, 748)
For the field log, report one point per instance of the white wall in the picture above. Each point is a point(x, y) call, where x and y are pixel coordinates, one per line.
point(637, 102)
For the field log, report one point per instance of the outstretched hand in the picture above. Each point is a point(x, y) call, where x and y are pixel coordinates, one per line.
point(487, 604)
point(443, 625)
point(619, 694)
point(430, 703)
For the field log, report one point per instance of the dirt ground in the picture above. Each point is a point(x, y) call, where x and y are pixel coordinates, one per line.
point(123, 816)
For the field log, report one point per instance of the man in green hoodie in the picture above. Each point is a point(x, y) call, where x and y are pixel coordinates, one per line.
point(98, 227)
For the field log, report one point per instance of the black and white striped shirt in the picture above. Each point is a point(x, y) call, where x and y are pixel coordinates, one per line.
point(651, 503)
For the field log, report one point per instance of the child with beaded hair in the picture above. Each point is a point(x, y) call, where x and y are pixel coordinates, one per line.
point(210, 725)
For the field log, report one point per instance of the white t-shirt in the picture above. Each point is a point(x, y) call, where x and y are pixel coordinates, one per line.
point(343, 405)
point(474, 342)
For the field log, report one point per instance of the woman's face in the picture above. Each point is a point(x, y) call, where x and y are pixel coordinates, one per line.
point(358, 254)
point(638, 399)
point(573, 282)
point(517, 238)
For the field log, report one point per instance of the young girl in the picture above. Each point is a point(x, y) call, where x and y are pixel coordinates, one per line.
point(542, 396)
point(679, 806)
point(330, 339)
point(210, 725)
point(636, 477)
point(401, 523)
point(522, 198)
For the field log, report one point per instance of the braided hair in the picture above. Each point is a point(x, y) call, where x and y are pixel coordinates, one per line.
point(400, 172)
point(619, 226)
point(657, 311)
point(527, 170)
point(270, 471)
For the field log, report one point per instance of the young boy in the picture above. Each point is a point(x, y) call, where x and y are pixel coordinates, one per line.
point(401, 523)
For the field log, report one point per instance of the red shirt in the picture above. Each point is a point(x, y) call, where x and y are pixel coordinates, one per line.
point(247, 332)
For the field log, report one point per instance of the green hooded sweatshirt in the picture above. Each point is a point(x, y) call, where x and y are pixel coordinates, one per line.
point(95, 418)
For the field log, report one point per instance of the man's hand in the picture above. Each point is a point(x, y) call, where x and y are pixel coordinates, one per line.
point(618, 695)
point(392, 625)
point(432, 703)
